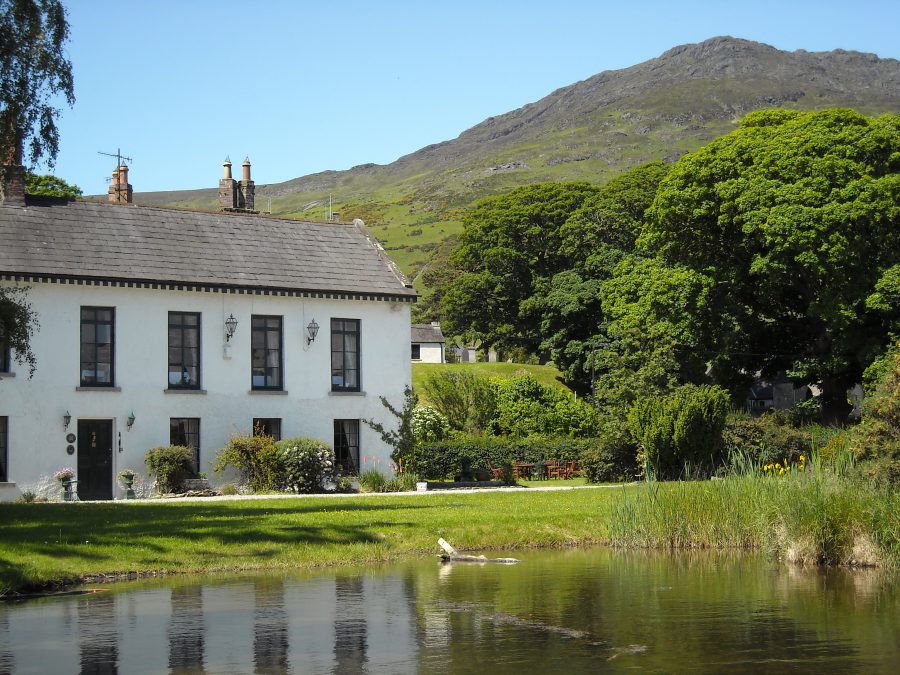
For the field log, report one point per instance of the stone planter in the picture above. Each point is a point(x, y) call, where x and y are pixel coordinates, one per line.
point(195, 484)
point(69, 494)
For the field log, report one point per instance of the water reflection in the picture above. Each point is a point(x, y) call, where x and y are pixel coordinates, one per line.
point(575, 611)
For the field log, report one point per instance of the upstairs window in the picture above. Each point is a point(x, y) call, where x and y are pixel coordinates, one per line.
point(184, 350)
point(345, 355)
point(346, 446)
point(185, 431)
point(267, 355)
point(97, 346)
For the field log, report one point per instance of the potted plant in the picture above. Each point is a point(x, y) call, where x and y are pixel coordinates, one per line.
point(126, 477)
point(66, 476)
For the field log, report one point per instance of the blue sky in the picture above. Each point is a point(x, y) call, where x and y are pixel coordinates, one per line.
point(304, 87)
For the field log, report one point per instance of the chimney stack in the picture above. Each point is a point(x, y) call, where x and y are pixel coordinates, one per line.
point(12, 185)
point(247, 188)
point(120, 191)
point(227, 189)
point(237, 195)
point(12, 178)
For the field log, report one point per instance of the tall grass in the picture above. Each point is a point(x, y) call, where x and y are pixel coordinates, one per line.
point(821, 515)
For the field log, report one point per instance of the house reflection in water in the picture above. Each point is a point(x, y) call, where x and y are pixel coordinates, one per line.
point(263, 625)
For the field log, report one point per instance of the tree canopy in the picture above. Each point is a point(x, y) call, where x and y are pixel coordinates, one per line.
point(795, 220)
point(34, 72)
point(50, 186)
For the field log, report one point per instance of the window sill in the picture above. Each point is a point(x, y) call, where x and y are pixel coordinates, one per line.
point(346, 393)
point(98, 388)
point(5, 375)
point(269, 392)
point(184, 391)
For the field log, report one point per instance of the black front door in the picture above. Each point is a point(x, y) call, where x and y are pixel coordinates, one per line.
point(95, 459)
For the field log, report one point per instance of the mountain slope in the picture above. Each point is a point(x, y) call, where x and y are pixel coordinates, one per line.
point(590, 130)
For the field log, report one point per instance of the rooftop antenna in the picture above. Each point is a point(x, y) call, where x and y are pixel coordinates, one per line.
point(118, 155)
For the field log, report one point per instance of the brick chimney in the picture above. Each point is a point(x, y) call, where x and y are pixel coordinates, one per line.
point(12, 185)
point(227, 189)
point(234, 195)
point(247, 196)
point(12, 178)
point(120, 191)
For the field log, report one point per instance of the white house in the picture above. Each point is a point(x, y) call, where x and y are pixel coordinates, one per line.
point(162, 326)
point(427, 343)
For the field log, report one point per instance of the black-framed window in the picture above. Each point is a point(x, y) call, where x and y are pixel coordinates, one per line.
point(417, 352)
point(346, 445)
point(267, 426)
point(184, 350)
point(98, 338)
point(4, 449)
point(267, 355)
point(345, 354)
point(186, 431)
point(5, 357)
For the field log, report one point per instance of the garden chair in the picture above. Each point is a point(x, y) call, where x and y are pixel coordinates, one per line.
point(571, 468)
point(554, 470)
point(496, 472)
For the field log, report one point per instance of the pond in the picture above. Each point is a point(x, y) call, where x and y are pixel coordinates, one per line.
point(578, 611)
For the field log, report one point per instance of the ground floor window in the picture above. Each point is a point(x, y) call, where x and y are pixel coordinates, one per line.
point(267, 426)
point(417, 352)
point(4, 447)
point(186, 431)
point(346, 445)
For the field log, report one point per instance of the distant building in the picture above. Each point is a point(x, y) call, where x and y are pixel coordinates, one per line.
point(427, 343)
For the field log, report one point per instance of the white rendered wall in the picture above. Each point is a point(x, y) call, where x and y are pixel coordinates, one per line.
point(430, 352)
point(35, 407)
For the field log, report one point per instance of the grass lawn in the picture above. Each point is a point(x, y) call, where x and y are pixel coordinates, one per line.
point(545, 374)
point(64, 543)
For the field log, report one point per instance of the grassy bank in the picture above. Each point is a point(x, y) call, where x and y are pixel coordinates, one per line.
point(59, 543)
point(817, 517)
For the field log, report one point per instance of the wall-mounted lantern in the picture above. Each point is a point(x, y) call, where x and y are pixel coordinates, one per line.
point(67, 420)
point(130, 421)
point(311, 331)
point(230, 326)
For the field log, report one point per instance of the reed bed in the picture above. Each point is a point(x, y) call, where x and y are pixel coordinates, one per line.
point(821, 514)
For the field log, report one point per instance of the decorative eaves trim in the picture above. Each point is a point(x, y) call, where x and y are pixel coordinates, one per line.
point(64, 280)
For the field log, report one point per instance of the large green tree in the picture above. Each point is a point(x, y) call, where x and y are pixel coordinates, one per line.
point(795, 220)
point(509, 245)
point(34, 73)
point(46, 185)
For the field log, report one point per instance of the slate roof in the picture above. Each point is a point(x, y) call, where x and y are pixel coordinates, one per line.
point(134, 243)
point(425, 332)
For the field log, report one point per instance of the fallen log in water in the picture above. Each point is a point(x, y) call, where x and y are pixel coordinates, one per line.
point(452, 555)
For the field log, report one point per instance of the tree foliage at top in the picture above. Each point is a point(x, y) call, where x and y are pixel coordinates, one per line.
point(18, 323)
point(795, 220)
point(50, 186)
point(33, 72)
point(509, 245)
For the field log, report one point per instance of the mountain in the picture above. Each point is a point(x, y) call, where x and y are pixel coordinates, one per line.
point(591, 130)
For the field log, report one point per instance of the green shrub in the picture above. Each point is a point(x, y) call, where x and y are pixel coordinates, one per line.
point(429, 425)
point(613, 455)
point(465, 399)
point(228, 489)
point(255, 457)
point(877, 439)
point(372, 480)
point(766, 439)
point(682, 429)
point(526, 407)
point(28, 497)
point(171, 464)
point(304, 464)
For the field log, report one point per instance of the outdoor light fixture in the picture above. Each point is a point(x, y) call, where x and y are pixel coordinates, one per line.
point(230, 326)
point(312, 330)
point(67, 418)
point(130, 420)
